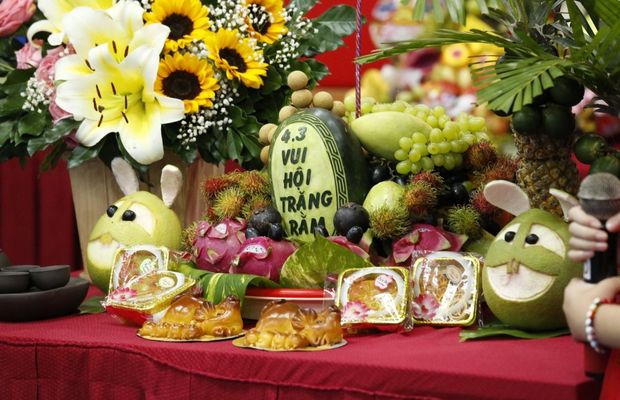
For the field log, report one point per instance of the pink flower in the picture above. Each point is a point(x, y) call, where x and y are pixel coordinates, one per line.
point(355, 311)
point(29, 56)
point(13, 13)
point(424, 306)
point(45, 73)
point(56, 112)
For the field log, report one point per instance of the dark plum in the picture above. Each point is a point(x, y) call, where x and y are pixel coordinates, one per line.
point(350, 215)
point(354, 235)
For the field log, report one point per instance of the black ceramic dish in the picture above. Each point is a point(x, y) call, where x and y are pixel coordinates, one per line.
point(36, 305)
point(51, 277)
point(24, 267)
point(14, 281)
point(4, 259)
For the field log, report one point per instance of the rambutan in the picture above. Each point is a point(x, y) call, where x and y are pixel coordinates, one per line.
point(419, 198)
point(480, 155)
point(214, 186)
point(228, 203)
point(253, 182)
point(480, 204)
point(389, 222)
point(432, 178)
point(465, 220)
point(188, 236)
point(255, 202)
point(502, 169)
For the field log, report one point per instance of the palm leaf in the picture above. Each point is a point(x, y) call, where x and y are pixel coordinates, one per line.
point(516, 82)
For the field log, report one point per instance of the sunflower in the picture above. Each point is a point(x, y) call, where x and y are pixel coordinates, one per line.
point(265, 19)
point(237, 57)
point(189, 78)
point(187, 20)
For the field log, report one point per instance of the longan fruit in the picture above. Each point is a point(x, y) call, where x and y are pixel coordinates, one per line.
point(286, 112)
point(264, 155)
point(297, 80)
point(323, 100)
point(301, 98)
point(263, 133)
point(338, 108)
point(271, 133)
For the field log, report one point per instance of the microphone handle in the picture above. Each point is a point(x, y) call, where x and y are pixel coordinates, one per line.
point(603, 264)
point(600, 266)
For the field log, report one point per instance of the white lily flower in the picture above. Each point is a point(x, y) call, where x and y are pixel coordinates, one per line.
point(55, 11)
point(118, 97)
point(121, 27)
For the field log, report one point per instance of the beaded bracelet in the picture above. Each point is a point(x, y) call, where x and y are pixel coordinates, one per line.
point(590, 334)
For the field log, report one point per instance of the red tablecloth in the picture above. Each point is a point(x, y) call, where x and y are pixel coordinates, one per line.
point(95, 357)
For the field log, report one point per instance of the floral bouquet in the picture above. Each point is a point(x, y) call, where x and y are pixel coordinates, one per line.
point(105, 78)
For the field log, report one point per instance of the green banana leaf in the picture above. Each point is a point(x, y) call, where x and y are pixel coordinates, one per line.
point(216, 286)
point(494, 330)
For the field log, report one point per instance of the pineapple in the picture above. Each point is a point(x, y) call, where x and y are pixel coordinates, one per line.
point(544, 163)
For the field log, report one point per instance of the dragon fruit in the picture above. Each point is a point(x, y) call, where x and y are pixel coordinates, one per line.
point(425, 237)
point(360, 249)
point(214, 246)
point(262, 256)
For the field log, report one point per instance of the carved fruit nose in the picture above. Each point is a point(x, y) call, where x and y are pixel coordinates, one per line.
point(106, 238)
point(513, 267)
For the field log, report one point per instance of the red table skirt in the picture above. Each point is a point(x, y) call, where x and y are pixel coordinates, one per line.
point(95, 357)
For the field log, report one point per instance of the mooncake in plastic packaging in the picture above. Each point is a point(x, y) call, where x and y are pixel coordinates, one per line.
point(373, 297)
point(445, 288)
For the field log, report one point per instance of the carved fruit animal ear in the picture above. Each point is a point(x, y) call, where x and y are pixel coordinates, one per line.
point(567, 200)
point(171, 182)
point(125, 176)
point(508, 196)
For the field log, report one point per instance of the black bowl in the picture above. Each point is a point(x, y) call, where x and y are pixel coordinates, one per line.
point(50, 277)
point(43, 304)
point(4, 259)
point(14, 281)
point(20, 268)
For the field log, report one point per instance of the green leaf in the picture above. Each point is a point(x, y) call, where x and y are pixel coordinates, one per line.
point(92, 305)
point(233, 143)
point(493, 330)
point(216, 286)
point(339, 19)
point(81, 153)
point(303, 5)
point(32, 124)
point(576, 22)
point(309, 265)
point(6, 129)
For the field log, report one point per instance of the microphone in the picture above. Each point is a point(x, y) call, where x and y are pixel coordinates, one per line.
point(599, 196)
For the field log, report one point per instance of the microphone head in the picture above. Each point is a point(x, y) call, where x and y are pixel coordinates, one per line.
point(599, 195)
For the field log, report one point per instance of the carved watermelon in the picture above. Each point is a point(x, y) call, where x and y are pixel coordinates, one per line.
point(316, 166)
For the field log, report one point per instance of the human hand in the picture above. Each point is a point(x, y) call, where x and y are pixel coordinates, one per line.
point(587, 234)
point(578, 295)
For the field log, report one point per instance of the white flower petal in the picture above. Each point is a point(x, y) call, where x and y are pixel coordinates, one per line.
point(128, 14)
point(89, 133)
point(70, 67)
point(75, 97)
point(142, 136)
point(87, 28)
point(171, 109)
point(39, 26)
